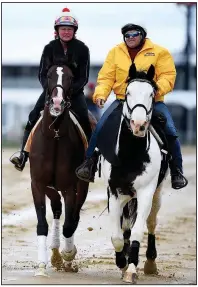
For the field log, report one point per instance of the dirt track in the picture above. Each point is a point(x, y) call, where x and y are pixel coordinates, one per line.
point(176, 234)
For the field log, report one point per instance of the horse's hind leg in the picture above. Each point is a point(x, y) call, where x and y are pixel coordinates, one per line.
point(151, 253)
point(121, 257)
point(38, 193)
point(56, 205)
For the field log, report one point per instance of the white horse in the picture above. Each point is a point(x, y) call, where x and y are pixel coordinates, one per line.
point(133, 188)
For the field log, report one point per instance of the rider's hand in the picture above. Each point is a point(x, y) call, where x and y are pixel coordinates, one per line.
point(100, 103)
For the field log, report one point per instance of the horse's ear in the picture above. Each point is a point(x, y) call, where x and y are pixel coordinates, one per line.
point(132, 71)
point(151, 73)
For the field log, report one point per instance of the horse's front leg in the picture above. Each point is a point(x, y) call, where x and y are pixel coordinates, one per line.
point(117, 202)
point(56, 205)
point(144, 203)
point(38, 193)
point(121, 257)
point(70, 224)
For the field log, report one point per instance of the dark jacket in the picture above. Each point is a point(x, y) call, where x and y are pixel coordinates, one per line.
point(77, 58)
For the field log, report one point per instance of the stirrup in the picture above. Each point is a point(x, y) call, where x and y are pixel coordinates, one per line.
point(91, 173)
point(184, 178)
point(12, 158)
point(19, 165)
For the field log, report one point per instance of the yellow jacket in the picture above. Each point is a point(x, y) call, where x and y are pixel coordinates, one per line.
point(114, 71)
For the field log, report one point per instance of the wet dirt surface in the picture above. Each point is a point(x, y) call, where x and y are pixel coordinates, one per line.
point(175, 234)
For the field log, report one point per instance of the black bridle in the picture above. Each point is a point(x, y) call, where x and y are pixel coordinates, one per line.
point(138, 105)
point(65, 103)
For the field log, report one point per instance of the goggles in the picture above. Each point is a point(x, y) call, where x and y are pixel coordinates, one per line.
point(132, 35)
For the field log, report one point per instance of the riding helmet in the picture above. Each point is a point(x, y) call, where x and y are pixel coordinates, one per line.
point(130, 26)
point(66, 19)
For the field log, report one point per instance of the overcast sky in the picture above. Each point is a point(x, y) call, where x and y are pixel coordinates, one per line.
point(27, 27)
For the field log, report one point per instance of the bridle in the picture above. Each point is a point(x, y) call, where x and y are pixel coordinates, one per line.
point(65, 103)
point(138, 105)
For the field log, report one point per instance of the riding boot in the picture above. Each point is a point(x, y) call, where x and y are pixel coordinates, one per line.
point(20, 161)
point(177, 178)
point(175, 164)
point(86, 171)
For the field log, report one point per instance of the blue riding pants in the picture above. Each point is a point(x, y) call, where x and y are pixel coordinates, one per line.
point(93, 140)
point(171, 131)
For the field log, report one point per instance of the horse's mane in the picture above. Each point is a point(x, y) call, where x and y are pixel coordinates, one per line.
point(143, 76)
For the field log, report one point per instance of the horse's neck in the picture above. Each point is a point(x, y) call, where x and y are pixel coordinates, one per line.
point(50, 124)
point(131, 148)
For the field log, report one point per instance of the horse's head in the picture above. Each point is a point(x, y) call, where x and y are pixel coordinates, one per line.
point(59, 89)
point(138, 105)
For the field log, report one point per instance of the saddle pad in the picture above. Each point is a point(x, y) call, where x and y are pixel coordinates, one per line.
point(29, 141)
point(107, 136)
point(76, 123)
point(80, 130)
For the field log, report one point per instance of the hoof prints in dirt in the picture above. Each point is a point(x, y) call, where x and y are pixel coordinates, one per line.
point(19, 265)
point(96, 261)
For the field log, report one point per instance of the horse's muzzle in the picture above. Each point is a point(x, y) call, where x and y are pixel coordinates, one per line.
point(139, 128)
point(55, 111)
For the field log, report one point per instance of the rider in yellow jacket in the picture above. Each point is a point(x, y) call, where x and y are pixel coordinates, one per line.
point(112, 76)
point(114, 72)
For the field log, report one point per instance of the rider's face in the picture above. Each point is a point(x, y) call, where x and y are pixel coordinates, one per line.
point(132, 38)
point(66, 33)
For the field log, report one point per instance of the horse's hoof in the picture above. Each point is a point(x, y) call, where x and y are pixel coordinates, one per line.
point(123, 271)
point(69, 256)
point(130, 277)
point(70, 267)
point(56, 259)
point(150, 267)
point(41, 271)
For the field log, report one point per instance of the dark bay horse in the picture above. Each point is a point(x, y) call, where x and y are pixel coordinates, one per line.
point(56, 151)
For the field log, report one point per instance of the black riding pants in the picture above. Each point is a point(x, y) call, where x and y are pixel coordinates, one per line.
point(78, 105)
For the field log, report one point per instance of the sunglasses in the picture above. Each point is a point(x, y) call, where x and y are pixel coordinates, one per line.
point(132, 35)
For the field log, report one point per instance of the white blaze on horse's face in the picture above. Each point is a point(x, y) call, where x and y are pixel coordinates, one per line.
point(56, 109)
point(139, 93)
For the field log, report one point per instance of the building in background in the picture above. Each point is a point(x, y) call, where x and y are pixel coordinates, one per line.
point(21, 88)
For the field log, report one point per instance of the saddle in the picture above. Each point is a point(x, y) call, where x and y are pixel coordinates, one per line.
point(75, 120)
